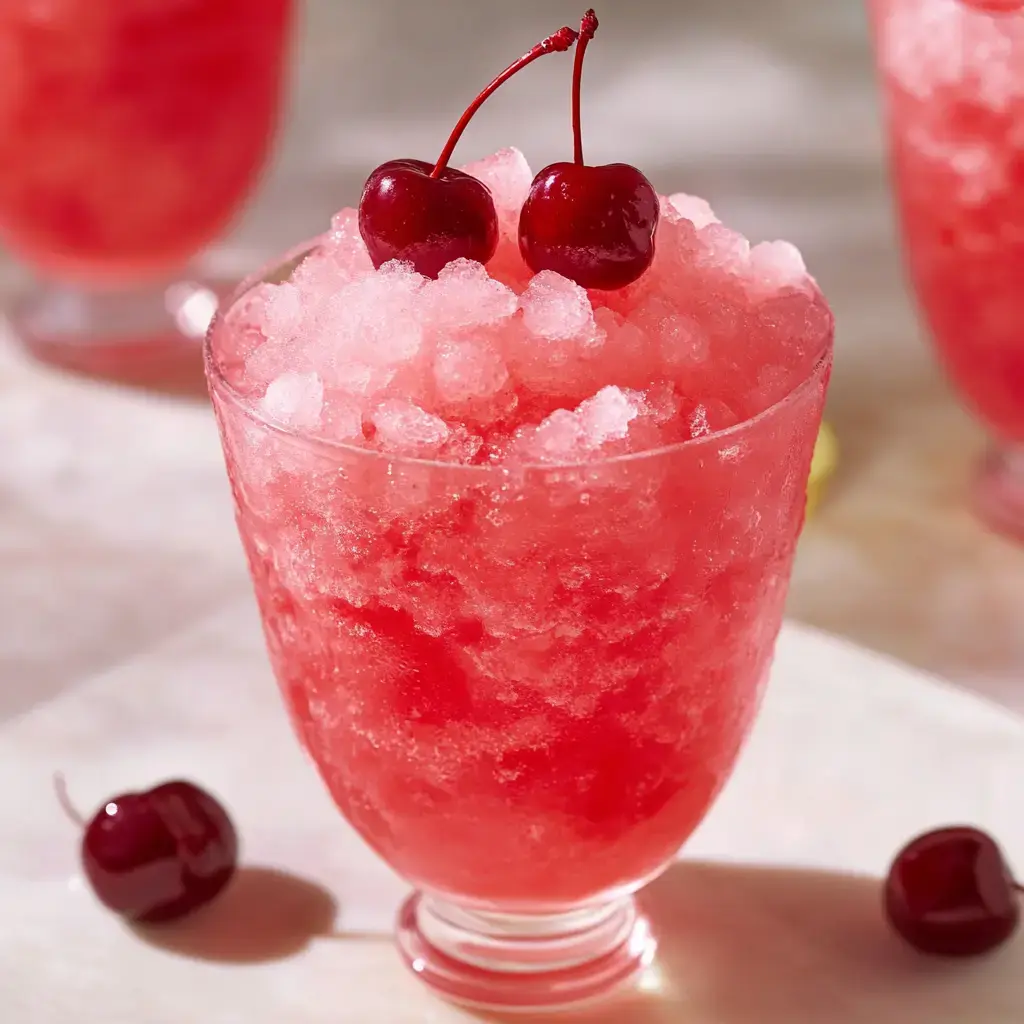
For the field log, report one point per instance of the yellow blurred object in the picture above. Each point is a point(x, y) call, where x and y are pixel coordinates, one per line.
point(823, 465)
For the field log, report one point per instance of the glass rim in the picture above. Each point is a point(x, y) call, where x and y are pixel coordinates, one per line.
point(217, 379)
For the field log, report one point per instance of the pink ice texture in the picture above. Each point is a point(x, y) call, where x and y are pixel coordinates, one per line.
point(497, 364)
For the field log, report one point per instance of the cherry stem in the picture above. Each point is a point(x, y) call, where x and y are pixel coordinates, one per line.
point(588, 26)
point(557, 43)
point(60, 787)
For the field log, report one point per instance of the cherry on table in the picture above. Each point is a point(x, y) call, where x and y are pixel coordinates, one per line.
point(158, 855)
point(431, 214)
point(592, 224)
point(949, 892)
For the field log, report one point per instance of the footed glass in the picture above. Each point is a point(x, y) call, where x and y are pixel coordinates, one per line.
point(523, 686)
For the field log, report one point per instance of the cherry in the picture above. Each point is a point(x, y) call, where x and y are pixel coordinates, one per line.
point(950, 893)
point(594, 225)
point(158, 855)
point(431, 214)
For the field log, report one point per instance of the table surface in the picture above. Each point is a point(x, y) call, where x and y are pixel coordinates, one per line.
point(774, 916)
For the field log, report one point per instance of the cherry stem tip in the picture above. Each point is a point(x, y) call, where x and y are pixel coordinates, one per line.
point(60, 787)
point(560, 41)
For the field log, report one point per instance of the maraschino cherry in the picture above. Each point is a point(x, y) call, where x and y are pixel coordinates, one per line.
point(594, 225)
point(431, 214)
point(950, 893)
point(157, 856)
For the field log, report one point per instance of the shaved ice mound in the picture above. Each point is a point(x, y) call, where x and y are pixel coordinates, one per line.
point(496, 364)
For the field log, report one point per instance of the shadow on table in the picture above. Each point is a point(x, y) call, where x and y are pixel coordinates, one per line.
point(747, 945)
point(264, 914)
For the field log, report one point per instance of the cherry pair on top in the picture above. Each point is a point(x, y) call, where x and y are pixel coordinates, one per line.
point(594, 225)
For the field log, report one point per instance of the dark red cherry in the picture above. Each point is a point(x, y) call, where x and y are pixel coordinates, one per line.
point(594, 225)
point(159, 855)
point(407, 214)
point(950, 893)
point(430, 214)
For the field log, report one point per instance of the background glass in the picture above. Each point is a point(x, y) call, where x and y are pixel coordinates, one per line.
point(953, 73)
point(130, 135)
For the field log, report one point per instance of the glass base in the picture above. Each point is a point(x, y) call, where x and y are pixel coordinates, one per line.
point(999, 490)
point(149, 337)
point(524, 963)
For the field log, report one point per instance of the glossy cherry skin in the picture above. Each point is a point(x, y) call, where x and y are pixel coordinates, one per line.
point(405, 214)
point(950, 893)
point(594, 225)
point(159, 855)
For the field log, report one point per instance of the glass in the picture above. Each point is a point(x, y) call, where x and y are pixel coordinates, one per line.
point(953, 74)
point(523, 687)
point(131, 132)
